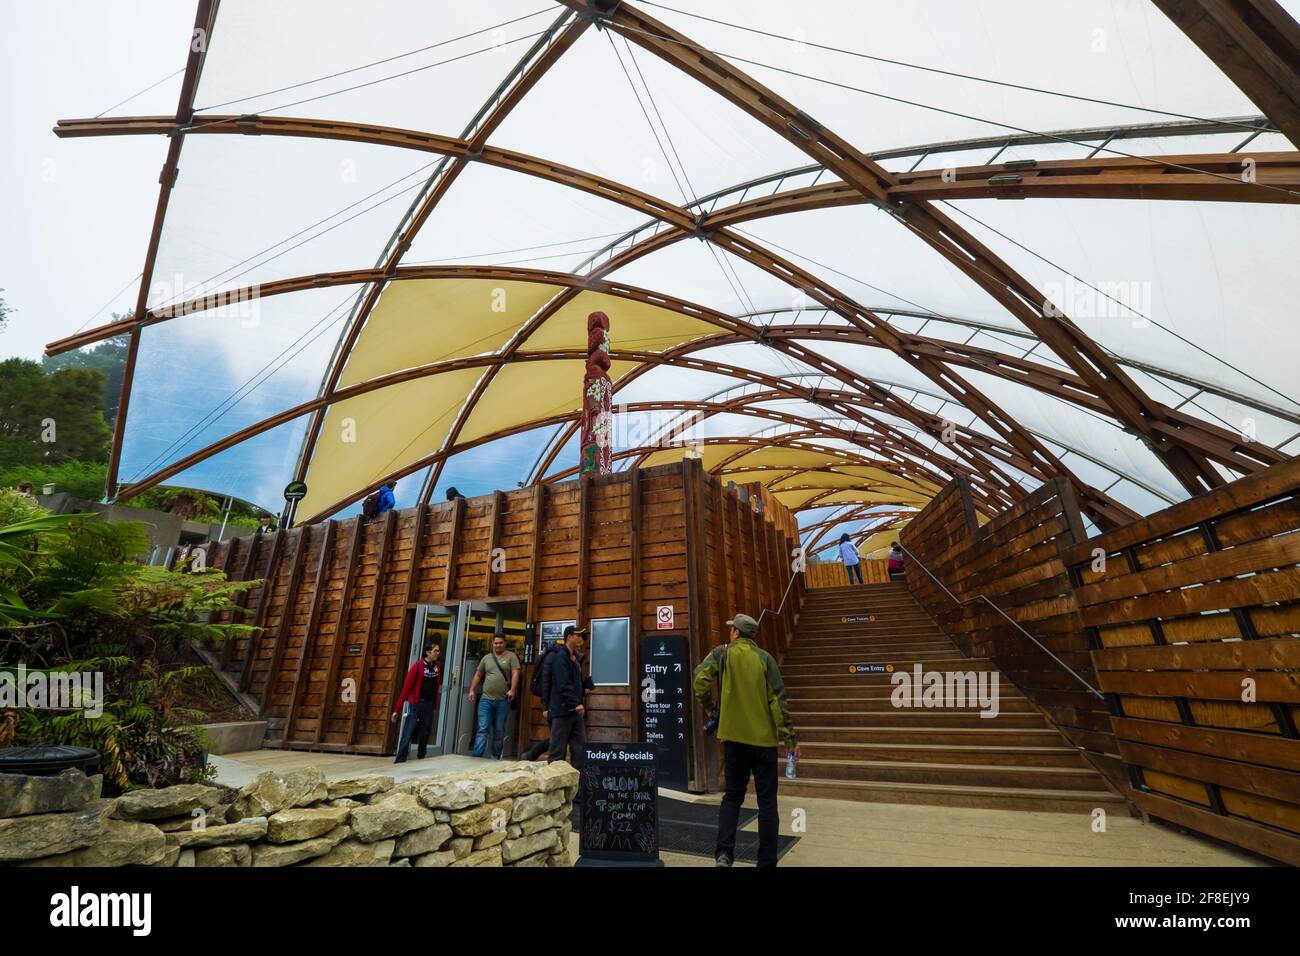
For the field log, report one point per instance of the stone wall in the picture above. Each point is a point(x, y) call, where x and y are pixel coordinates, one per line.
point(512, 814)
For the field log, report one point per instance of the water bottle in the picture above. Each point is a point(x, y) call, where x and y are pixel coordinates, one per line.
point(789, 764)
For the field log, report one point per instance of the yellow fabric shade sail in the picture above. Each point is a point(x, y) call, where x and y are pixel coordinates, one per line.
point(883, 496)
point(419, 321)
point(782, 456)
point(525, 392)
point(634, 326)
point(710, 455)
point(366, 438)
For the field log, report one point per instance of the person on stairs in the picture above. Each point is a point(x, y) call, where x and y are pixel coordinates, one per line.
point(896, 568)
point(752, 719)
point(421, 689)
point(849, 555)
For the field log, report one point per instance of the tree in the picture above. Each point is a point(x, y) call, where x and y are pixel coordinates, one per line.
point(50, 418)
point(108, 356)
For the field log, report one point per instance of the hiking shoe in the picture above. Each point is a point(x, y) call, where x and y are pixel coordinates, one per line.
point(722, 860)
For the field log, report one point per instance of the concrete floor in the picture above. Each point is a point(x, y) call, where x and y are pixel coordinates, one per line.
point(844, 833)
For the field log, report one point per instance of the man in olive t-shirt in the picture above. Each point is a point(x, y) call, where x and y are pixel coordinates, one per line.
point(498, 673)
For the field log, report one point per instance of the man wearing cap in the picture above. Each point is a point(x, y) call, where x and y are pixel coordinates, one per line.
point(563, 687)
point(753, 718)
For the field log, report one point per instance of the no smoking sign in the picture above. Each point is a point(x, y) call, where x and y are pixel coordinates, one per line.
point(664, 615)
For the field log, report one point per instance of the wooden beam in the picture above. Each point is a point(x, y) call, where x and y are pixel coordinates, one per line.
point(584, 548)
point(282, 626)
point(494, 542)
point(259, 615)
point(453, 549)
point(534, 570)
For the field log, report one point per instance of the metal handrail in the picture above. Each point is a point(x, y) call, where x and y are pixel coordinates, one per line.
point(793, 578)
point(1016, 624)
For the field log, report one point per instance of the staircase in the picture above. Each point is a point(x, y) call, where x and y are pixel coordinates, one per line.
point(856, 745)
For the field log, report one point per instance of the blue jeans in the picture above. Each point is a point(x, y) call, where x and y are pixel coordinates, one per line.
point(854, 569)
point(492, 716)
point(418, 725)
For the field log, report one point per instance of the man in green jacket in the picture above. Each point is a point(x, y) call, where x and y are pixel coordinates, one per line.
point(752, 718)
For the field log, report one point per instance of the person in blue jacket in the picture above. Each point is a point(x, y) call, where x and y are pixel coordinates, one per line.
point(387, 499)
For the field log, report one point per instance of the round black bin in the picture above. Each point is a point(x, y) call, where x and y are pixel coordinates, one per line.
point(47, 759)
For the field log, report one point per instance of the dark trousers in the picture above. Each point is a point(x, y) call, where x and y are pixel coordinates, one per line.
point(739, 761)
point(418, 724)
point(854, 569)
point(569, 731)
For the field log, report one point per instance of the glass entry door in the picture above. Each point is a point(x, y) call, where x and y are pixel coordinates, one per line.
point(444, 626)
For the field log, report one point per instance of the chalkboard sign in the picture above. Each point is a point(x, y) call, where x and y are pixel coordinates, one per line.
point(665, 706)
point(620, 805)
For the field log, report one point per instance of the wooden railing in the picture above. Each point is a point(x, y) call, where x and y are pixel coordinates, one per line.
point(832, 574)
point(1188, 621)
point(1196, 611)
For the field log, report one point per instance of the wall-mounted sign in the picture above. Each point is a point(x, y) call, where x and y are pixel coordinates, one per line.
point(354, 649)
point(871, 668)
point(664, 616)
point(665, 706)
point(551, 634)
point(857, 618)
point(620, 806)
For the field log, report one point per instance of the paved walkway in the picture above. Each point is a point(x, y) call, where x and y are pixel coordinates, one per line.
point(844, 833)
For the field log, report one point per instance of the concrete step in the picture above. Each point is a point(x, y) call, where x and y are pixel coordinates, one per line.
point(919, 718)
point(955, 774)
point(993, 798)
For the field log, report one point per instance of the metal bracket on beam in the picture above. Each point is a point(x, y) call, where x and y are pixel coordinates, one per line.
point(249, 124)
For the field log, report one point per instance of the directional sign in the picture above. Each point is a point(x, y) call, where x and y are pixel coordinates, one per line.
point(663, 706)
point(664, 615)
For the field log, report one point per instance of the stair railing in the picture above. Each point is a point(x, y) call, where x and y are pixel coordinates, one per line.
point(1016, 624)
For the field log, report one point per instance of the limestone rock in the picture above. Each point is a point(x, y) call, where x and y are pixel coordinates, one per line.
point(513, 850)
point(534, 803)
point(570, 793)
point(558, 776)
point(401, 862)
point(461, 847)
point(354, 853)
point(170, 856)
point(559, 859)
point(270, 792)
point(491, 838)
point(121, 844)
point(359, 786)
point(294, 825)
point(167, 802)
point(566, 830)
point(448, 793)
point(488, 857)
point(286, 854)
point(47, 834)
point(239, 854)
point(400, 813)
point(245, 831)
point(344, 802)
point(479, 820)
point(443, 858)
point(442, 816)
point(21, 795)
point(419, 842)
point(512, 784)
point(210, 817)
point(514, 831)
point(536, 824)
point(537, 859)
point(185, 857)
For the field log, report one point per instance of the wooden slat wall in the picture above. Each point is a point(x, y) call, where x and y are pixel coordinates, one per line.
point(336, 606)
point(1196, 610)
point(833, 574)
point(1015, 560)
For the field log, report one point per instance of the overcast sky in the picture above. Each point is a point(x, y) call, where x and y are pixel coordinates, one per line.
point(76, 58)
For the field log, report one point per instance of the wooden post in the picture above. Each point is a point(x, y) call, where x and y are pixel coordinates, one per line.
point(494, 542)
point(341, 626)
point(309, 636)
point(282, 626)
point(241, 599)
point(453, 550)
point(634, 616)
point(584, 547)
point(376, 606)
point(412, 587)
point(254, 641)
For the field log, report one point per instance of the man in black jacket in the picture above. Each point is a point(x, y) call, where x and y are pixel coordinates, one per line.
point(562, 690)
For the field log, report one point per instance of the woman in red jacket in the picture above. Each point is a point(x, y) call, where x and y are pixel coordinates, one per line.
point(421, 689)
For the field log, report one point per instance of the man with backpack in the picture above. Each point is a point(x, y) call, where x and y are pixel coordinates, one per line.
point(561, 686)
point(498, 673)
point(377, 502)
point(752, 718)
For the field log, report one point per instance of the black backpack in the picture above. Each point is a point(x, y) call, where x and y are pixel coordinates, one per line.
point(535, 682)
point(370, 506)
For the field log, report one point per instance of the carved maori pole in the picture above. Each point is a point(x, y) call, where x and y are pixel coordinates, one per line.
point(597, 399)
